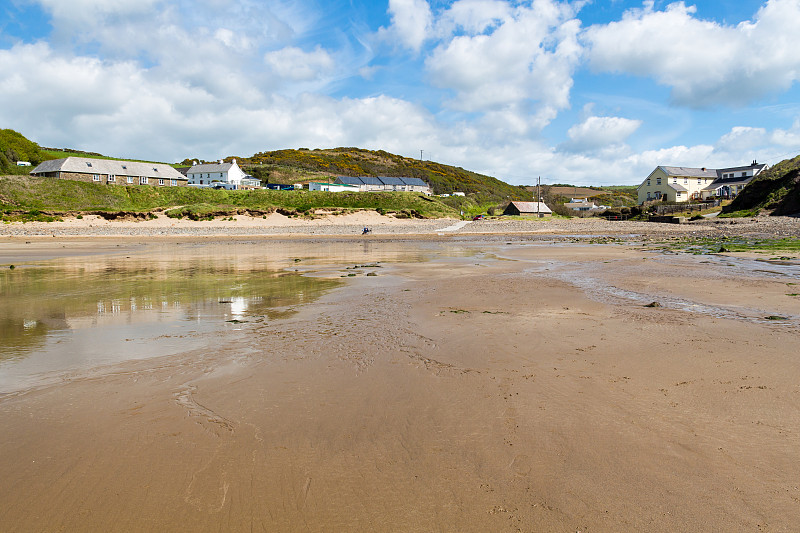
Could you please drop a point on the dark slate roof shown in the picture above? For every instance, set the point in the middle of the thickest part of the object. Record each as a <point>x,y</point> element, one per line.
<point>416,182</point>
<point>690,172</point>
<point>721,182</point>
<point>210,167</point>
<point>87,165</point>
<point>382,180</point>
<point>755,168</point>
<point>388,180</point>
<point>677,187</point>
<point>349,180</point>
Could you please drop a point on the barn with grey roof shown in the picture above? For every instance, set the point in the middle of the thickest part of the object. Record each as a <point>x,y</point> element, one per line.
<point>110,171</point>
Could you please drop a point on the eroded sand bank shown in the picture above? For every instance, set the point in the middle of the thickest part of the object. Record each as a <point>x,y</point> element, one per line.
<point>492,387</point>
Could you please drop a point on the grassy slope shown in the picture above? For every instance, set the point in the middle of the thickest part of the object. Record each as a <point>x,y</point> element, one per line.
<point>54,195</point>
<point>15,147</point>
<point>614,196</point>
<point>286,166</point>
<point>776,189</point>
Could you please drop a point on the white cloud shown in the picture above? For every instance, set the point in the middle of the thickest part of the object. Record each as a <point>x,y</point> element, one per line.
<point>789,138</point>
<point>705,63</point>
<point>294,64</point>
<point>473,16</point>
<point>741,139</point>
<point>521,59</point>
<point>600,132</point>
<point>411,23</point>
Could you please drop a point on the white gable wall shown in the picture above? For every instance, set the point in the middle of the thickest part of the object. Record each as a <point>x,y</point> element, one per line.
<point>232,175</point>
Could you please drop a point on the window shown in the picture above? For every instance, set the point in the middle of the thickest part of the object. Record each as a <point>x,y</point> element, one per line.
<point>648,184</point>
<point>125,167</point>
<point>685,180</point>
<point>699,181</point>
<point>112,178</point>
<point>142,180</point>
<point>161,181</point>
<point>88,164</point>
<point>173,182</point>
<point>648,196</point>
<point>96,177</point>
<point>658,181</point>
<point>130,179</point>
<point>674,180</point>
<point>744,174</point>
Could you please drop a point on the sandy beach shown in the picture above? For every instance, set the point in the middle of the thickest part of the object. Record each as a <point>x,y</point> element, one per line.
<point>352,224</point>
<point>496,376</point>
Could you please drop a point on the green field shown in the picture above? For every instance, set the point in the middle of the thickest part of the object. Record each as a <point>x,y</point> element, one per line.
<point>23,194</point>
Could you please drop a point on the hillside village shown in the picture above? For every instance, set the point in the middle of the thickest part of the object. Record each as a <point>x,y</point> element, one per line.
<point>665,185</point>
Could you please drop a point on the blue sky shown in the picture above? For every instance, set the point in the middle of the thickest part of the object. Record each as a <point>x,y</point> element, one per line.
<point>575,92</point>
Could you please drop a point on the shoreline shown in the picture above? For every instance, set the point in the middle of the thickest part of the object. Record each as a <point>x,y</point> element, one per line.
<point>277,226</point>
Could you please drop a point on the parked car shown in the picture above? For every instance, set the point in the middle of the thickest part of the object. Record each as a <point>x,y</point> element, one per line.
<point>477,217</point>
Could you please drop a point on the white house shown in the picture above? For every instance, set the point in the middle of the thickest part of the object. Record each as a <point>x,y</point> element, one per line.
<point>332,187</point>
<point>385,183</point>
<point>580,205</point>
<point>228,175</point>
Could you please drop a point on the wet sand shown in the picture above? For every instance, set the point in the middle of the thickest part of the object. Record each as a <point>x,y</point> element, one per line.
<point>491,387</point>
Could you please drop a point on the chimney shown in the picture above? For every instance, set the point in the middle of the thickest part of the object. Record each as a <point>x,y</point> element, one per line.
<point>234,160</point>
<point>703,169</point>
<point>220,161</point>
<point>196,162</point>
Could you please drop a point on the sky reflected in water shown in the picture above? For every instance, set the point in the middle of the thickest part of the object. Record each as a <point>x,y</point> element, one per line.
<point>77,314</point>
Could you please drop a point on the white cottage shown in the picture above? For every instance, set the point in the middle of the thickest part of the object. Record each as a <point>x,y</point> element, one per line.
<point>227,175</point>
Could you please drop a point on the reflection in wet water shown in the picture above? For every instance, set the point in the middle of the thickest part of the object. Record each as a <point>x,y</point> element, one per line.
<point>80,312</point>
<point>75,314</point>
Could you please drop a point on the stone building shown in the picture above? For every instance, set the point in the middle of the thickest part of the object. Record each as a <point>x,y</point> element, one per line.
<point>110,172</point>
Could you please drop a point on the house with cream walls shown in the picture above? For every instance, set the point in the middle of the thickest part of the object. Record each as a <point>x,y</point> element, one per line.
<point>684,184</point>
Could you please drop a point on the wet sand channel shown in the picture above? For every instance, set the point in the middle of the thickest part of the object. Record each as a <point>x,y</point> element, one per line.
<point>467,386</point>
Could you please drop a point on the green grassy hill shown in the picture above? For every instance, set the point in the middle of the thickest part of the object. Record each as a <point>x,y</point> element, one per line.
<point>25,194</point>
<point>484,193</point>
<point>777,190</point>
<point>289,166</point>
<point>613,196</point>
<point>15,147</point>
